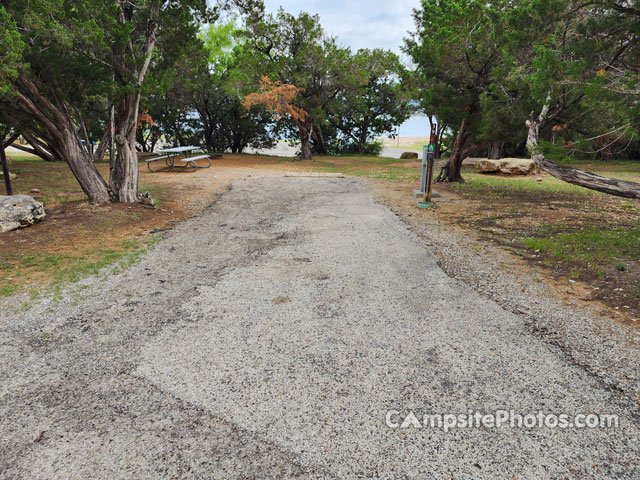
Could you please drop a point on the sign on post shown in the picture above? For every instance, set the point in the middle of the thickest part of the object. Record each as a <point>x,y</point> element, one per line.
<point>426,179</point>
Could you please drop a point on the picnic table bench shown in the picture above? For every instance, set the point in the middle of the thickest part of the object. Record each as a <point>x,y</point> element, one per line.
<point>188,163</point>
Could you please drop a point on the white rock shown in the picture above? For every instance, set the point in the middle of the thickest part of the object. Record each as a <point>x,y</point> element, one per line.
<point>17,211</point>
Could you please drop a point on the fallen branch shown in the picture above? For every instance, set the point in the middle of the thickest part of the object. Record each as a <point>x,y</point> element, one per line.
<point>575,176</point>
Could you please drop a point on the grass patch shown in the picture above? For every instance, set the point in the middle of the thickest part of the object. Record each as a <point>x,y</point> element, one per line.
<point>591,245</point>
<point>54,180</point>
<point>496,187</point>
<point>382,168</point>
<point>57,269</point>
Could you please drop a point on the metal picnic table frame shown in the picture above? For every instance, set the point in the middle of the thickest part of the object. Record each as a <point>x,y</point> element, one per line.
<point>170,156</point>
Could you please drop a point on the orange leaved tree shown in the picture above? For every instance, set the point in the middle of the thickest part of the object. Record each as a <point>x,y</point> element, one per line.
<point>280,99</point>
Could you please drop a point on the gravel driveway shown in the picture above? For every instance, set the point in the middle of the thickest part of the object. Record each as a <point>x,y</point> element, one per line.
<point>286,333</point>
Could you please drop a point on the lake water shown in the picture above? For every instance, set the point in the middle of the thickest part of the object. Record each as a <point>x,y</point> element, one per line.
<point>416,126</point>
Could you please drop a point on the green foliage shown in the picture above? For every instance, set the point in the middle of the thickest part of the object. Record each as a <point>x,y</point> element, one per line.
<point>223,44</point>
<point>11,50</point>
<point>345,147</point>
<point>224,123</point>
<point>454,49</point>
<point>496,64</point>
<point>372,106</point>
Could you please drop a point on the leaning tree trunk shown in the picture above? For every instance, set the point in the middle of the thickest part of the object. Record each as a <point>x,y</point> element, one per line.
<point>81,163</point>
<point>59,132</point>
<point>572,175</point>
<point>451,171</point>
<point>98,154</point>
<point>575,176</point>
<point>38,148</point>
<point>123,178</point>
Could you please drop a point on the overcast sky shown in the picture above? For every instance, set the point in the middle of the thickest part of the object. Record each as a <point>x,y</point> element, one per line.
<point>358,23</point>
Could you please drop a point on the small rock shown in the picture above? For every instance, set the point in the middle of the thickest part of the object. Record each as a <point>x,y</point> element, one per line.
<point>35,190</point>
<point>19,211</point>
<point>12,176</point>
<point>539,179</point>
<point>38,436</point>
<point>409,156</point>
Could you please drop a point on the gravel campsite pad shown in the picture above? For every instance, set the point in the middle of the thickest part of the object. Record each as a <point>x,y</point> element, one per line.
<point>275,336</point>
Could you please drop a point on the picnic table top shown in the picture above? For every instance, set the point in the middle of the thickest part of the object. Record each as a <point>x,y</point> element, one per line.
<point>177,149</point>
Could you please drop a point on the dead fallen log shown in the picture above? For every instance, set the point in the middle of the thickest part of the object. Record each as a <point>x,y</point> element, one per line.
<point>575,176</point>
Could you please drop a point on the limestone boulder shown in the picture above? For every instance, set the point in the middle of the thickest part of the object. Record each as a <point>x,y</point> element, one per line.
<point>487,166</point>
<point>507,166</point>
<point>19,211</point>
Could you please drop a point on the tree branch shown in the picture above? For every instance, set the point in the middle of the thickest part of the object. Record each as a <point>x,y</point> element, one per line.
<point>575,176</point>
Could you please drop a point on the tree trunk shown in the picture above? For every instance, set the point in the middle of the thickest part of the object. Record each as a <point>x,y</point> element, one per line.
<point>83,168</point>
<point>61,136</point>
<point>451,171</point>
<point>98,155</point>
<point>435,126</point>
<point>534,125</point>
<point>319,138</point>
<point>5,171</point>
<point>305,142</point>
<point>69,146</point>
<point>362,141</point>
<point>123,177</point>
<point>575,176</point>
<point>112,135</point>
<point>533,135</point>
<point>495,150</point>
<point>38,148</point>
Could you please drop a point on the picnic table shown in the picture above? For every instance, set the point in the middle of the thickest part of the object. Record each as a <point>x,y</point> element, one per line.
<point>171,156</point>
